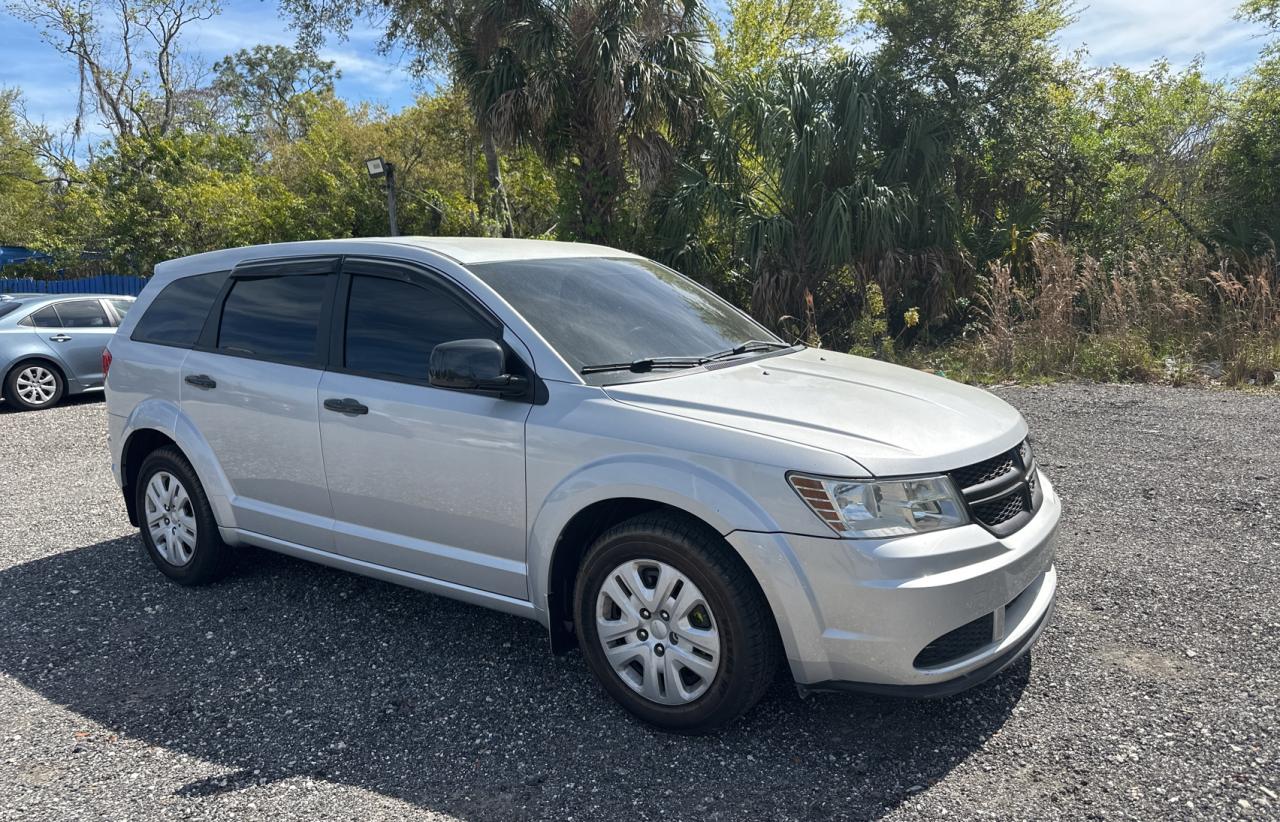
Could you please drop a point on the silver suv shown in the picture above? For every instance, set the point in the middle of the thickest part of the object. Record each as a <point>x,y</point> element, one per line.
<point>582,437</point>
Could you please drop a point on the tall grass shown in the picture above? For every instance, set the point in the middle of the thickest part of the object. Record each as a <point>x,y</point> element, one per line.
<point>1149,317</point>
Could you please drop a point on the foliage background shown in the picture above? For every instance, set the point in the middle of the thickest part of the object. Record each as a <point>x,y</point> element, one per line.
<point>930,182</point>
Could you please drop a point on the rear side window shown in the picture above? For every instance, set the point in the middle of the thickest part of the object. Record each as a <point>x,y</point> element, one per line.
<point>274,318</point>
<point>83,314</point>
<point>392,326</point>
<point>177,314</point>
<point>46,317</point>
<point>121,307</point>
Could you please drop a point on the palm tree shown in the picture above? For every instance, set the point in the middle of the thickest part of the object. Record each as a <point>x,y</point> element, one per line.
<point>610,86</point>
<point>816,168</point>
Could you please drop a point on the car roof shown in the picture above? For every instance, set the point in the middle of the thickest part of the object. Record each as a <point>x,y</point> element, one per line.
<point>465,250</point>
<point>32,297</point>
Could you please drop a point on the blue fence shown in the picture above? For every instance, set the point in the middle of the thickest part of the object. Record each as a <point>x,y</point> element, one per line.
<point>127,284</point>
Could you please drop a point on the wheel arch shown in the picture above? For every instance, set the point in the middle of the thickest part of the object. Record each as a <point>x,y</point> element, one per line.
<point>580,531</point>
<point>155,423</point>
<point>140,443</point>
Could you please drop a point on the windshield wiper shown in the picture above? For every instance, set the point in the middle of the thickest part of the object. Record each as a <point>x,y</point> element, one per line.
<point>745,347</point>
<point>650,363</point>
<point>642,365</point>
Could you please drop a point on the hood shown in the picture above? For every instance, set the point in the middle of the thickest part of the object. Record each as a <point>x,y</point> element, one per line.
<point>889,419</point>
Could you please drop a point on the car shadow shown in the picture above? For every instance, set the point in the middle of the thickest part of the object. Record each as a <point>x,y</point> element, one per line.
<point>86,398</point>
<point>289,669</point>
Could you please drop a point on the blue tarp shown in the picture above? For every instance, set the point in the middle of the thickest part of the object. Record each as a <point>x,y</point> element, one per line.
<point>127,284</point>
<point>11,254</point>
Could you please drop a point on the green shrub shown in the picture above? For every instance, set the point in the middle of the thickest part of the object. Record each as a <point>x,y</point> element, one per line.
<point>1118,358</point>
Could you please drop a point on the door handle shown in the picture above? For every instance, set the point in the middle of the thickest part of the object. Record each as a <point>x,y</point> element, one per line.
<point>61,338</point>
<point>200,381</point>
<point>347,405</point>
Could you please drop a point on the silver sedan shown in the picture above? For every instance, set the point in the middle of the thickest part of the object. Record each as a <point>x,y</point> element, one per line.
<point>51,345</point>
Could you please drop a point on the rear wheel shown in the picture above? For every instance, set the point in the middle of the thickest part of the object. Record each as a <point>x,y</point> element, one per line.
<point>34,385</point>
<point>673,625</point>
<point>177,524</point>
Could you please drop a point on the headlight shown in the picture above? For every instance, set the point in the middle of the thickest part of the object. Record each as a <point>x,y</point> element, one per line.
<point>882,508</point>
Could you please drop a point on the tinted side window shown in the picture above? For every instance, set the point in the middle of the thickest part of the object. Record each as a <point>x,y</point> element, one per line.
<point>46,317</point>
<point>274,318</point>
<point>392,326</point>
<point>177,314</point>
<point>83,314</point>
<point>121,307</point>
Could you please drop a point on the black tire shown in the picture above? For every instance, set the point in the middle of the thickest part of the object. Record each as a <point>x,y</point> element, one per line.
<point>11,385</point>
<point>211,558</point>
<point>750,650</point>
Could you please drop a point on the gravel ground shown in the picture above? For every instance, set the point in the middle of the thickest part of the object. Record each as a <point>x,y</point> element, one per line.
<point>291,691</point>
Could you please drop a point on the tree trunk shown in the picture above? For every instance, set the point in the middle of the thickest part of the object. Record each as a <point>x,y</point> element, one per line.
<point>600,178</point>
<point>497,191</point>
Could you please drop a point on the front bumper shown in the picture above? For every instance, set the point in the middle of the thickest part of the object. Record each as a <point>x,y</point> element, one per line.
<point>859,613</point>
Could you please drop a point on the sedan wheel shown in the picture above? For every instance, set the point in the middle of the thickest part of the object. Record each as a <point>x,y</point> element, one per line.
<point>171,519</point>
<point>33,385</point>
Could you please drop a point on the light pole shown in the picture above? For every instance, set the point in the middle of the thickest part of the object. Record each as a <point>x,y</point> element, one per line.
<point>382,168</point>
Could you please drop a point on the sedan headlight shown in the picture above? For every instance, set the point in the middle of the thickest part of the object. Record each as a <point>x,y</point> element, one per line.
<point>882,508</point>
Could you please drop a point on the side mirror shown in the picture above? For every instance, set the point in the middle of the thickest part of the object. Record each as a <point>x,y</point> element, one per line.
<point>473,365</point>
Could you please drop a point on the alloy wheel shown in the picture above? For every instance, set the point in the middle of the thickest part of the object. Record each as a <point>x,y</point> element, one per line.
<point>171,518</point>
<point>658,632</point>
<point>36,385</point>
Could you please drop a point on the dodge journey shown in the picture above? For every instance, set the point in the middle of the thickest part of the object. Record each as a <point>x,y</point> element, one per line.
<point>583,437</point>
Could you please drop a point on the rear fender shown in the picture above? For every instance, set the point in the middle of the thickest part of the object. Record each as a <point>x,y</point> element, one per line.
<point>166,417</point>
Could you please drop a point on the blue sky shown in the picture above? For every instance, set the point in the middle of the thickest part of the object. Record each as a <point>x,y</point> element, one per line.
<point>1127,32</point>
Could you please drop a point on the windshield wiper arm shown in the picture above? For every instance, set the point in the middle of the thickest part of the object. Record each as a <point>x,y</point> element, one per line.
<point>747,346</point>
<point>644,364</point>
<point>650,363</point>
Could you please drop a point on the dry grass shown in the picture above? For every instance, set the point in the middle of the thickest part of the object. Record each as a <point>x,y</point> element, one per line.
<point>1154,317</point>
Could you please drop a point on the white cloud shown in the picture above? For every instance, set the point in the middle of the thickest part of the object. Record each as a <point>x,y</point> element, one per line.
<point>1134,33</point>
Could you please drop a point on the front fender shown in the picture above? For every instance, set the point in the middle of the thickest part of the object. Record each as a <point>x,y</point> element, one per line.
<point>672,481</point>
<point>166,417</point>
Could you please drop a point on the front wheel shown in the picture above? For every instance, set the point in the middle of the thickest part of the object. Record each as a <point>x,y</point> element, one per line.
<point>673,625</point>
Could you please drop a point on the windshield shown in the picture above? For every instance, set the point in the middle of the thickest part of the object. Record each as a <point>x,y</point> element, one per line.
<point>597,310</point>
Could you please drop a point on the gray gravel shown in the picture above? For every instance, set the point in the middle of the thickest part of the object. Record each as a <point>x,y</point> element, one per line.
<point>295,692</point>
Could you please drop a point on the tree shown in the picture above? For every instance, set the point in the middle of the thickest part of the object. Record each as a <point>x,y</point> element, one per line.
<point>264,87</point>
<point>131,70</point>
<point>1266,12</point>
<point>761,34</point>
<point>836,177</point>
<point>23,184</point>
<point>988,69</point>
<point>437,31</point>
<point>602,86</point>
<point>1243,193</point>
<point>1140,148</point>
